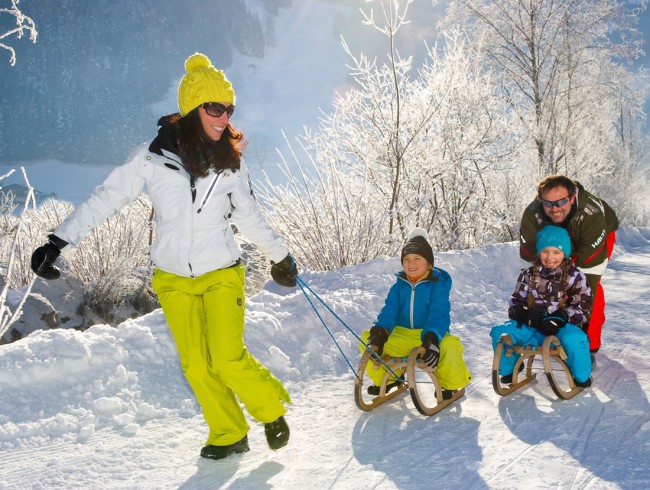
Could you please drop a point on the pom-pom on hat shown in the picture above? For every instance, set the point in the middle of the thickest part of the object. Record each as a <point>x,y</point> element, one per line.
<point>554,236</point>
<point>202,83</point>
<point>418,243</point>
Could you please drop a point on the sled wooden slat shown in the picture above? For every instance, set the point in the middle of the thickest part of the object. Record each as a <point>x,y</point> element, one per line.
<point>505,342</point>
<point>550,350</point>
<point>359,388</point>
<point>559,354</point>
<point>407,366</point>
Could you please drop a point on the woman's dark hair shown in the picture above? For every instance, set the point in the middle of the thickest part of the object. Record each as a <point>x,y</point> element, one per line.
<point>200,153</point>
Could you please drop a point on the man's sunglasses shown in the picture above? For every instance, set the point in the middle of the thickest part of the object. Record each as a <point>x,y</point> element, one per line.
<point>215,109</point>
<point>556,204</point>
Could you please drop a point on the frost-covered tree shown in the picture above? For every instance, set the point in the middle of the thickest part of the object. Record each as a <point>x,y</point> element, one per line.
<point>405,147</point>
<point>561,65</point>
<point>12,229</point>
<point>23,25</point>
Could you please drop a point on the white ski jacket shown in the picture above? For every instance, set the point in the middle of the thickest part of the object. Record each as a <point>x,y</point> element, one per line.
<point>193,234</point>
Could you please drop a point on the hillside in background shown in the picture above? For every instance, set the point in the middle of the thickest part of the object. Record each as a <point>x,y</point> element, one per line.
<point>101,74</point>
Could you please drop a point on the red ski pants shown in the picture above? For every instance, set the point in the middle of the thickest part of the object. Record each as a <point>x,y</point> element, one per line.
<point>598,310</point>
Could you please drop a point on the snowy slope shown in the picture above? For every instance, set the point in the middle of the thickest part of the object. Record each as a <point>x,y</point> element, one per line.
<point>109,408</point>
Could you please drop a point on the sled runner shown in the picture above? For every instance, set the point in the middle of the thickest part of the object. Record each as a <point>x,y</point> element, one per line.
<point>420,381</point>
<point>551,351</point>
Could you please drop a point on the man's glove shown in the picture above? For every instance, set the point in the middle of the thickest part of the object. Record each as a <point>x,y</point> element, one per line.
<point>432,353</point>
<point>553,322</point>
<point>378,337</point>
<point>285,272</point>
<point>43,258</point>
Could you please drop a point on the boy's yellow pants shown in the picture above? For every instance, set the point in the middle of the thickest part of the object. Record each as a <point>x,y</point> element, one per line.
<point>206,318</point>
<point>452,373</point>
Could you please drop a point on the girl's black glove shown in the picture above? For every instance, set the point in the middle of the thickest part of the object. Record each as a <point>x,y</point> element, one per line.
<point>530,316</point>
<point>553,322</point>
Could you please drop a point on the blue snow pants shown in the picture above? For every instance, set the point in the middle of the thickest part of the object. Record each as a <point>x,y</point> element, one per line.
<point>573,339</point>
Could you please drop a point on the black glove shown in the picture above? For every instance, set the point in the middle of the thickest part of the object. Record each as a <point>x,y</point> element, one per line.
<point>531,316</point>
<point>285,272</point>
<point>553,322</point>
<point>432,354</point>
<point>378,337</point>
<point>43,258</point>
<point>519,313</point>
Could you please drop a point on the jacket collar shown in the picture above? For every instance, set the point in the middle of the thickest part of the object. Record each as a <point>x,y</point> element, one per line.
<point>166,141</point>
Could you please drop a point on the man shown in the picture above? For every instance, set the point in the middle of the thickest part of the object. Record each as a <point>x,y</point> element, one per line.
<point>592,225</point>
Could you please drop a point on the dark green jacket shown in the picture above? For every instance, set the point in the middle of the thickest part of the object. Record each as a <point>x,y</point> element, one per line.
<point>589,223</point>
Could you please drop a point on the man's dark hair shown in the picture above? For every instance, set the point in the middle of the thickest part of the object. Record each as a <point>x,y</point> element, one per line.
<point>553,181</point>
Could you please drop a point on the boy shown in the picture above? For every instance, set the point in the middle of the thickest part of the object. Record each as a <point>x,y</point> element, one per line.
<point>416,312</point>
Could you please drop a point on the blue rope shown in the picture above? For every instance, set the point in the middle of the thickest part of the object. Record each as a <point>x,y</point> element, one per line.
<point>304,285</point>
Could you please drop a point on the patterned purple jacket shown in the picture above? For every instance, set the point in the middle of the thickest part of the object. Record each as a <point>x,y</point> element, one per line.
<point>550,294</point>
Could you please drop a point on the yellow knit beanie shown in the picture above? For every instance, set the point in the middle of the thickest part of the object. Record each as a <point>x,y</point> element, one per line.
<point>202,83</point>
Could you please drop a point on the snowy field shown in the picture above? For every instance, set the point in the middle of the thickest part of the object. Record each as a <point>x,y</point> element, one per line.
<point>109,408</point>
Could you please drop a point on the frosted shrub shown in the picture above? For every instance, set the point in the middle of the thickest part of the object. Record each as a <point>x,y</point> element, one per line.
<point>113,263</point>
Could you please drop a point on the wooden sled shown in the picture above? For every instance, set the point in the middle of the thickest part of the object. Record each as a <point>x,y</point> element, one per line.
<point>551,351</point>
<point>420,380</point>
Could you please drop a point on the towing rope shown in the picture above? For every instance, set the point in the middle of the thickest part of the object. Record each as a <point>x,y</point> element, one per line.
<point>304,287</point>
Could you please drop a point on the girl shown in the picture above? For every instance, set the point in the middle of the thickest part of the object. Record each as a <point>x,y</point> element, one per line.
<point>551,298</point>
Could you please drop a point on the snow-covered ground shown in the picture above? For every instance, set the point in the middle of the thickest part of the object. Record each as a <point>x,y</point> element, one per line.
<point>109,407</point>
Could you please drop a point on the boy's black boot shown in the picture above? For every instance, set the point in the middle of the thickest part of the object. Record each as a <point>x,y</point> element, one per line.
<point>220,452</point>
<point>277,433</point>
<point>374,389</point>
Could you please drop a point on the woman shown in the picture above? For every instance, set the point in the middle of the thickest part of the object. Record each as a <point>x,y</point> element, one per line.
<point>197,182</point>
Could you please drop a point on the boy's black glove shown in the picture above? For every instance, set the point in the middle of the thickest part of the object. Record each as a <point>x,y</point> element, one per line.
<point>378,337</point>
<point>432,354</point>
<point>553,322</point>
<point>285,272</point>
<point>43,258</point>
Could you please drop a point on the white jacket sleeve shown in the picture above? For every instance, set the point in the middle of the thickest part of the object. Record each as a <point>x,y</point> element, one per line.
<point>123,185</point>
<point>249,219</point>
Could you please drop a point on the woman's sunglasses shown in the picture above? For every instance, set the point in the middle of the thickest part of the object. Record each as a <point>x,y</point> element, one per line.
<point>215,109</point>
<point>556,204</point>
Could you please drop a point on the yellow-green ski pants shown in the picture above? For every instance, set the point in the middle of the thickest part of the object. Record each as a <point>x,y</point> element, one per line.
<point>206,317</point>
<point>452,373</point>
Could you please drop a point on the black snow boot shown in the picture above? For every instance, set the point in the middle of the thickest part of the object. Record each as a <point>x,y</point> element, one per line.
<point>583,384</point>
<point>374,389</point>
<point>447,394</point>
<point>507,378</point>
<point>277,433</point>
<point>220,452</point>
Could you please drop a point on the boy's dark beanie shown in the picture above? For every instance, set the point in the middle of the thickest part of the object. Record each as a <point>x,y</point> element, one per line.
<point>418,243</point>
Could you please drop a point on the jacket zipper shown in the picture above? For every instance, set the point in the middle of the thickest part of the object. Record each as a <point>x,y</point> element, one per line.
<point>208,193</point>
